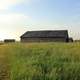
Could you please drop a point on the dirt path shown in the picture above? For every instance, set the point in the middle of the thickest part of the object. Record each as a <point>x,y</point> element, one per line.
<point>4,68</point>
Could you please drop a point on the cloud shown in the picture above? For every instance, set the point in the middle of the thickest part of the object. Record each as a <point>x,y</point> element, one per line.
<point>12,18</point>
<point>5,4</point>
<point>12,25</point>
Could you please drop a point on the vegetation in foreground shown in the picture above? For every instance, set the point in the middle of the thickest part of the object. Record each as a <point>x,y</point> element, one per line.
<point>43,61</point>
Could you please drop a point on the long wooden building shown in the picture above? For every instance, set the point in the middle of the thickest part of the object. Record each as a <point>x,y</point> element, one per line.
<point>45,36</point>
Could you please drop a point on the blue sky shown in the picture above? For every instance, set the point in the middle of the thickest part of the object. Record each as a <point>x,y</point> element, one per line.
<point>18,16</point>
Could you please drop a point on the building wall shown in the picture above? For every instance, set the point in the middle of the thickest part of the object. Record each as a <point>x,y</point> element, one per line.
<point>9,40</point>
<point>43,40</point>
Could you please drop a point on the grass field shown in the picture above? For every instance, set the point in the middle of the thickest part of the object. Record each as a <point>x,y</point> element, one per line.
<point>41,61</point>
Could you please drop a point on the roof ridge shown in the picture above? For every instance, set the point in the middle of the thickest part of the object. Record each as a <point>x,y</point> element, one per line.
<point>46,30</point>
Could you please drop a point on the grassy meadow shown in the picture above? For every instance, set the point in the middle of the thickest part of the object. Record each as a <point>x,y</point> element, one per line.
<point>41,61</point>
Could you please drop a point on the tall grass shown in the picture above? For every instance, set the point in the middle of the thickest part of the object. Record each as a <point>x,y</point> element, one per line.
<point>44,61</point>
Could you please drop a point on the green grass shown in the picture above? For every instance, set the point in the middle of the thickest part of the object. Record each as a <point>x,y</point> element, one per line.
<point>43,61</point>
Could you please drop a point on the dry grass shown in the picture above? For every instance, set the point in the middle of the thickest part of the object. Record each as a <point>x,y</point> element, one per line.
<point>4,63</point>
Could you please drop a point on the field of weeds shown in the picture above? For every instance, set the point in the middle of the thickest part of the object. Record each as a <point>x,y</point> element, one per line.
<point>40,61</point>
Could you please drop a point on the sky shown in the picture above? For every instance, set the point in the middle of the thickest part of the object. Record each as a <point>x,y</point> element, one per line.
<point>19,16</point>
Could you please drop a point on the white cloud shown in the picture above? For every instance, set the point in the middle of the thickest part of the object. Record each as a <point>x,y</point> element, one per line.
<point>12,18</point>
<point>5,4</point>
<point>12,25</point>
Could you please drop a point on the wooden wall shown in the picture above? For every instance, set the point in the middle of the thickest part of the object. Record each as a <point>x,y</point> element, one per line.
<point>43,40</point>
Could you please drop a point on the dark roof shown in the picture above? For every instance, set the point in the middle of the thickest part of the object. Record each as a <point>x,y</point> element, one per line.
<point>45,34</point>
